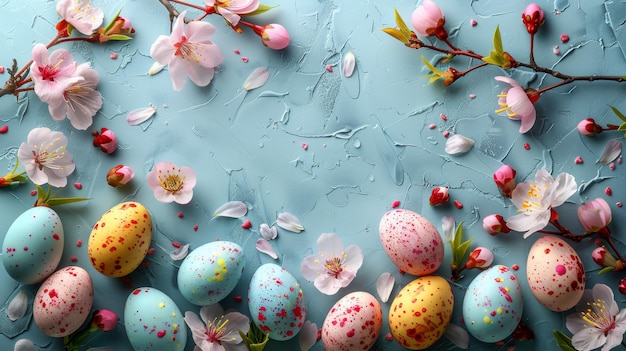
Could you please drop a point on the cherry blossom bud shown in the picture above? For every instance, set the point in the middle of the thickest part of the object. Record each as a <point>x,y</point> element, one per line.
<point>589,127</point>
<point>595,215</point>
<point>481,258</point>
<point>105,140</point>
<point>604,258</point>
<point>495,224</point>
<point>505,179</point>
<point>428,19</point>
<point>104,320</point>
<point>275,36</point>
<point>439,196</point>
<point>120,175</point>
<point>533,18</point>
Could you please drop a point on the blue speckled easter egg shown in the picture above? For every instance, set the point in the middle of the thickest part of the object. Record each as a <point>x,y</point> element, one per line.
<point>33,245</point>
<point>276,302</point>
<point>209,273</point>
<point>493,306</point>
<point>153,321</point>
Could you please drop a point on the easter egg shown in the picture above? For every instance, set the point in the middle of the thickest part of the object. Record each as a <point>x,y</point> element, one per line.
<point>493,304</point>
<point>63,301</point>
<point>120,240</point>
<point>33,245</point>
<point>353,323</point>
<point>153,322</point>
<point>209,273</point>
<point>276,302</point>
<point>555,273</point>
<point>420,313</point>
<point>411,242</point>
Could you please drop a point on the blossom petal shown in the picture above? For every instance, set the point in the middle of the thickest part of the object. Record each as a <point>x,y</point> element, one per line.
<point>447,225</point>
<point>565,187</point>
<point>265,247</point>
<point>140,115</point>
<point>18,306</point>
<point>457,335</point>
<point>384,286</point>
<point>347,65</point>
<point>156,68</point>
<point>232,209</point>
<point>354,258</point>
<point>24,345</point>
<point>289,222</point>
<point>604,293</point>
<point>256,79</point>
<point>180,253</point>
<point>588,339</point>
<point>612,149</point>
<point>267,232</point>
<point>311,267</point>
<point>327,284</point>
<point>458,144</point>
<point>307,336</point>
<point>211,312</point>
<point>329,244</point>
<point>507,80</point>
<point>236,321</point>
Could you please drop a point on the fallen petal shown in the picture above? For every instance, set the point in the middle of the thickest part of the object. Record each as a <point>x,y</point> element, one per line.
<point>18,306</point>
<point>384,286</point>
<point>308,336</point>
<point>140,115</point>
<point>155,68</point>
<point>289,222</point>
<point>447,225</point>
<point>24,345</point>
<point>256,79</point>
<point>458,144</point>
<point>347,66</point>
<point>265,247</point>
<point>233,209</point>
<point>457,335</point>
<point>611,151</point>
<point>180,253</point>
<point>267,232</point>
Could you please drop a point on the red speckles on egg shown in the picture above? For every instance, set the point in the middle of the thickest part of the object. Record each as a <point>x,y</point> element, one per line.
<point>353,323</point>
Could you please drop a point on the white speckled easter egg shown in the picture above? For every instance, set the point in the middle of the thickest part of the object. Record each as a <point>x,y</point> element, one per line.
<point>353,323</point>
<point>153,322</point>
<point>63,301</point>
<point>276,302</point>
<point>420,313</point>
<point>209,273</point>
<point>411,242</point>
<point>555,273</point>
<point>120,240</point>
<point>493,304</point>
<point>33,245</point>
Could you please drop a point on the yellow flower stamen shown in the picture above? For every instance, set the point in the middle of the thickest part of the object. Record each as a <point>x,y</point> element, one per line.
<point>171,182</point>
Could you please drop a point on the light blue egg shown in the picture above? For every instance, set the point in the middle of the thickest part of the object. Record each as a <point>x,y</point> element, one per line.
<point>211,272</point>
<point>33,245</point>
<point>493,304</point>
<point>276,302</point>
<point>153,322</point>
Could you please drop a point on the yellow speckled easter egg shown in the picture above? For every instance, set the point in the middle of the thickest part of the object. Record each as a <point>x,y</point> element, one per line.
<point>120,240</point>
<point>421,311</point>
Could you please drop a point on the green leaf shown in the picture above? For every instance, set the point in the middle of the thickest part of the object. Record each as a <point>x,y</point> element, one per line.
<point>65,200</point>
<point>458,234</point>
<point>261,9</point>
<point>396,33</point>
<point>606,270</point>
<point>431,67</point>
<point>497,41</point>
<point>563,341</point>
<point>119,37</point>
<point>462,250</point>
<point>496,56</point>
<point>618,113</point>
<point>401,25</point>
<point>112,22</point>
<point>622,126</point>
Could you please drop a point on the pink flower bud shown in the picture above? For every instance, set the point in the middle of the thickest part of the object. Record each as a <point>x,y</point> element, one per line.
<point>505,179</point>
<point>589,127</point>
<point>428,19</point>
<point>603,257</point>
<point>439,196</point>
<point>495,224</point>
<point>622,286</point>
<point>105,140</point>
<point>105,320</point>
<point>119,175</point>
<point>481,258</point>
<point>533,18</point>
<point>275,36</point>
<point>595,215</point>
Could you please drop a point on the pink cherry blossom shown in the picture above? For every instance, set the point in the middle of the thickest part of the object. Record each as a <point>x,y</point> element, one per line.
<point>275,36</point>
<point>589,127</point>
<point>216,331</point>
<point>232,9</point>
<point>45,157</point>
<point>50,73</point>
<point>533,18</point>
<point>80,100</point>
<point>81,15</point>
<point>480,257</point>
<point>439,195</point>
<point>105,320</point>
<point>515,103</point>
<point>332,267</point>
<point>171,183</point>
<point>428,19</point>
<point>188,52</point>
<point>119,176</point>
<point>495,224</point>
<point>105,140</point>
<point>595,215</point>
<point>505,179</point>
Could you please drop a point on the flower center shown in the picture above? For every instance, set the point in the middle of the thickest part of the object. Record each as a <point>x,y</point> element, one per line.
<point>504,106</point>
<point>333,266</point>
<point>46,157</point>
<point>172,182</point>
<point>533,200</point>
<point>597,316</point>
<point>48,72</point>
<point>187,50</point>
<point>215,330</point>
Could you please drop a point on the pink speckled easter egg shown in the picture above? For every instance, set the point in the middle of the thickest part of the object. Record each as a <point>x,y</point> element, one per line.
<point>63,302</point>
<point>353,323</point>
<point>555,273</point>
<point>411,242</point>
